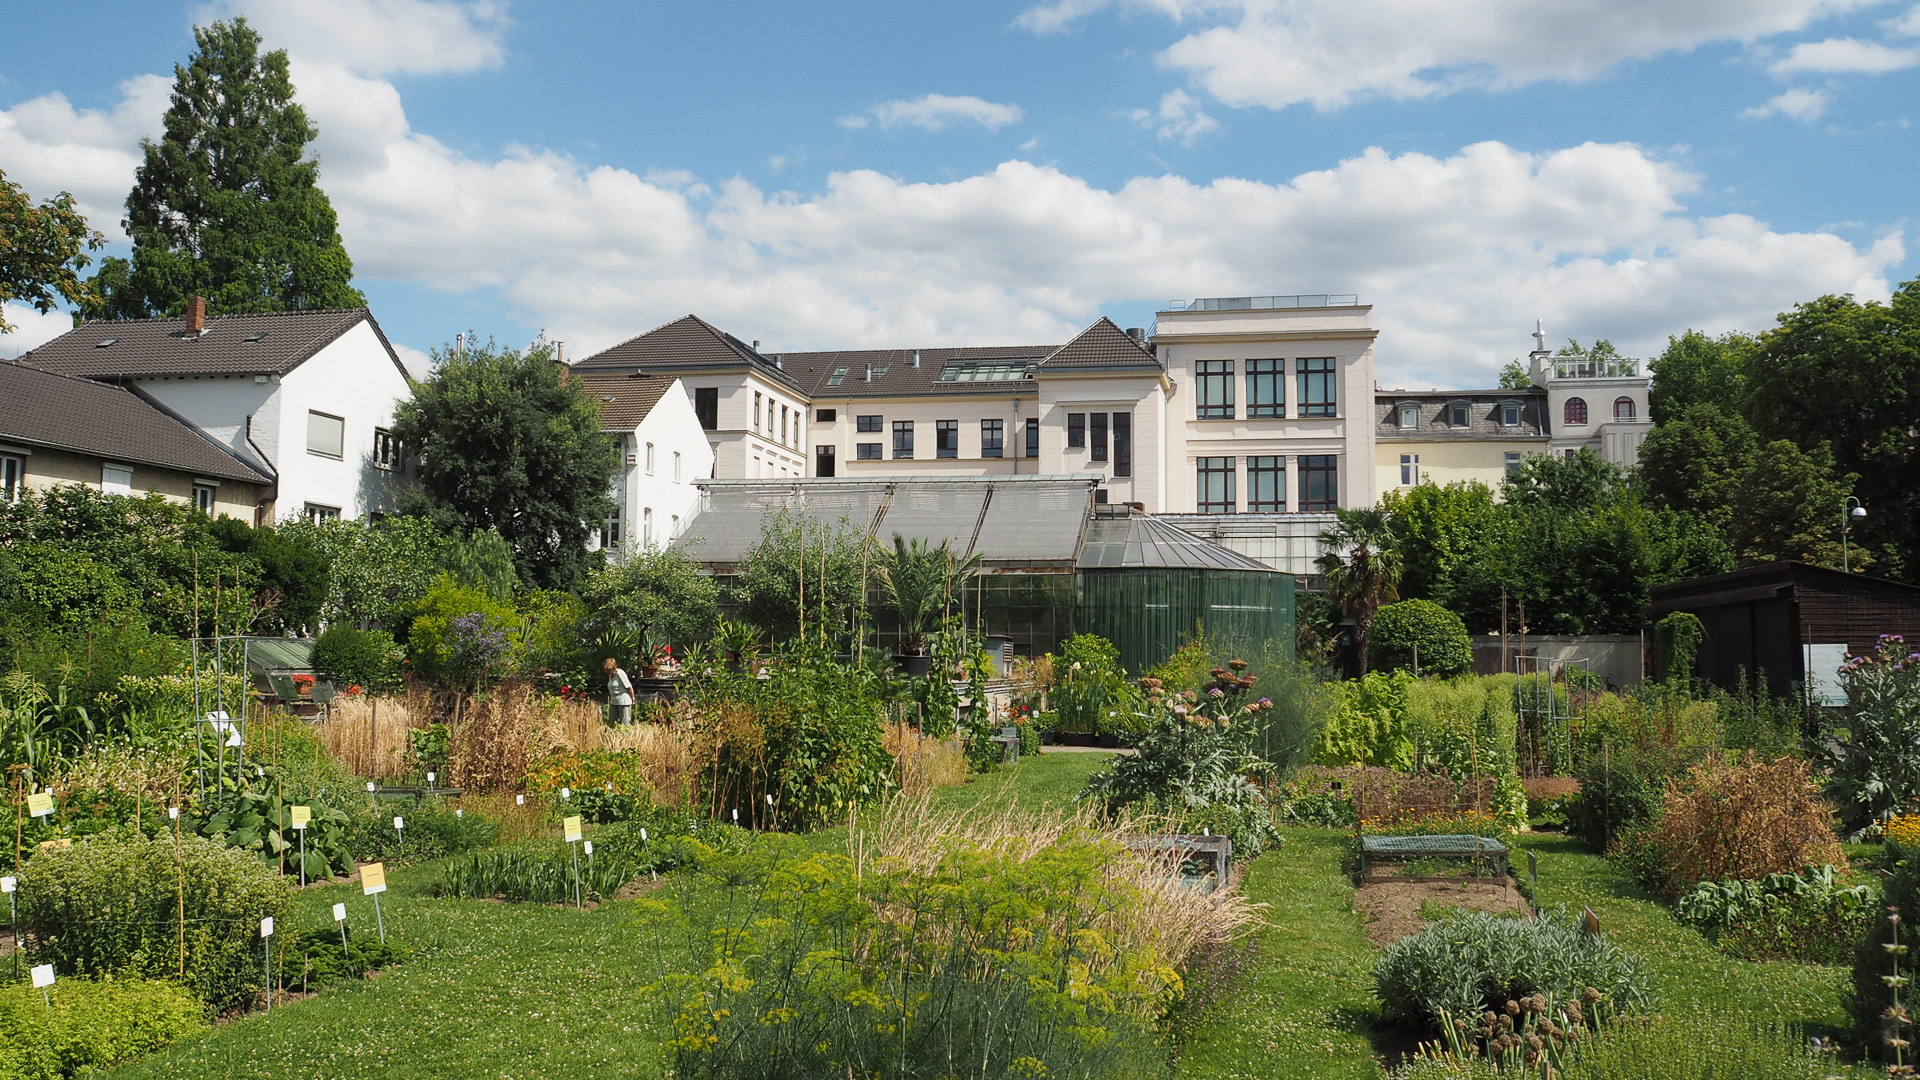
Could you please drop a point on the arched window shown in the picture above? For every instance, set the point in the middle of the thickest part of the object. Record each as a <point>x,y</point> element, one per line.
<point>1576,412</point>
<point>1623,408</point>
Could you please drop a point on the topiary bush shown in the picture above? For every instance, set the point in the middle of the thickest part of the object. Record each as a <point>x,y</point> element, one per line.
<point>109,905</point>
<point>1439,635</point>
<point>1472,962</point>
<point>91,1025</point>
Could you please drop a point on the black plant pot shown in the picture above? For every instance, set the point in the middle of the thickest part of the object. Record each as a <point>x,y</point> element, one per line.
<point>1075,738</point>
<point>1110,742</point>
<point>914,665</point>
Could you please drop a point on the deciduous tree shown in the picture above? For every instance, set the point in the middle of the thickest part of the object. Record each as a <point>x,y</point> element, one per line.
<point>42,250</point>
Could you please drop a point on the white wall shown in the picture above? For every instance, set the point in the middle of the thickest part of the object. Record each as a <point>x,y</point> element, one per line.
<point>1135,394</point>
<point>353,378</point>
<point>219,405</point>
<point>671,427</point>
<point>925,411</point>
<point>744,449</point>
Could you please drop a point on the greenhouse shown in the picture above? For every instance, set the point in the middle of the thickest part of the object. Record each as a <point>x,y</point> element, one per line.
<point>1053,561</point>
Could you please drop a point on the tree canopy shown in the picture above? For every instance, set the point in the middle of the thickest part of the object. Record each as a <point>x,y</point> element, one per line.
<point>227,203</point>
<point>507,441</point>
<point>42,250</point>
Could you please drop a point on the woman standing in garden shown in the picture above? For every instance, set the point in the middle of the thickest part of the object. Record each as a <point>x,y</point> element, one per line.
<point>619,693</point>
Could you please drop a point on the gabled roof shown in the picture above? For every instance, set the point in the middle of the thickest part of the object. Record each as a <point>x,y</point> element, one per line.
<point>894,373</point>
<point>688,343</point>
<point>625,400</point>
<point>1122,540</point>
<point>1101,347</point>
<point>269,343</point>
<point>40,408</point>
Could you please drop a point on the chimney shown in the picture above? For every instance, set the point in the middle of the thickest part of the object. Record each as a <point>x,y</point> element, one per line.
<point>756,344</point>
<point>1138,334</point>
<point>196,315</point>
<point>869,376</point>
<point>916,358</point>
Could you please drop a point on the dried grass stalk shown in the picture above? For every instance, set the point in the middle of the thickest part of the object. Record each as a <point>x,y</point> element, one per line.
<point>349,733</point>
<point>666,752</point>
<point>922,764</point>
<point>1744,819</point>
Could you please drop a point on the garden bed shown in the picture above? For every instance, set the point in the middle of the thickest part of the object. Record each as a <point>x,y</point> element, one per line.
<point>1395,908</point>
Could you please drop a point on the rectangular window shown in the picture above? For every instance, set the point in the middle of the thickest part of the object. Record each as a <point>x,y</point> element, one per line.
<point>1512,462</point>
<point>1319,483</point>
<point>387,453</point>
<point>1458,415</point>
<point>706,406</point>
<point>203,495</point>
<point>1033,437</point>
<point>676,466</point>
<point>783,423</point>
<point>1076,430</point>
<point>838,374</point>
<point>870,423</point>
<point>1122,444</point>
<point>1509,415</point>
<point>1099,437</point>
<point>867,451</point>
<point>649,459</point>
<point>1215,490</point>
<point>1409,416</point>
<point>646,526</point>
<point>115,480</point>
<point>13,478</point>
<point>1266,485</point>
<point>946,438</point>
<point>903,438</point>
<point>756,410</point>
<point>317,513</point>
<point>827,416</point>
<point>610,530</point>
<point>1409,470</point>
<point>1215,397</point>
<point>326,435</point>
<point>1317,394</point>
<point>769,417</point>
<point>823,460</point>
<point>993,437</point>
<point>1266,391</point>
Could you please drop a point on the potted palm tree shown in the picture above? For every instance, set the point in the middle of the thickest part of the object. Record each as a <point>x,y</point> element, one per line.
<point>918,583</point>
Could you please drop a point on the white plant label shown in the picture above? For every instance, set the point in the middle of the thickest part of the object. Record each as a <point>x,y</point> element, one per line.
<point>266,927</point>
<point>43,976</point>
<point>589,846</point>
<point>173,812</point>
<point>7,884</point>
<point>769,800</point>
<point>609,785</point>
<point>643,835</point>
<point>339,913</point>
<point>736,815</point>
<point>398,823</point>
<point>430,778</point>
<point>566,794</point>
<point>519,800</point>
<point>459,813</point>
<point>369,787</point>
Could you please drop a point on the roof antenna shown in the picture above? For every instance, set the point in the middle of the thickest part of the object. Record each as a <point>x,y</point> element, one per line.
<point>459,345</point>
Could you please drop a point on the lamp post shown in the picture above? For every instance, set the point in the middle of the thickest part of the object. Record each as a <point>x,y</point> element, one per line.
<point>1850,509</point>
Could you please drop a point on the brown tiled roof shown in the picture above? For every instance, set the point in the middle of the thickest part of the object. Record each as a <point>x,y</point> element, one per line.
<point>688,343</point>
<point>900,377</point>
<point>1101,347</point>
<point>40,408</point>
<point>1483,414</point>
<point>271,343</point>
<point>625,400</point>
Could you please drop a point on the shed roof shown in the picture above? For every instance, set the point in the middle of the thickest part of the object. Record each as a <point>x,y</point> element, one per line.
<point>41,408</point>
<point>268,343</point>
<point>1785,579</point>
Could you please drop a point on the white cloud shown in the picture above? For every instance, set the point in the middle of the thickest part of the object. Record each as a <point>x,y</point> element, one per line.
<point>1178,118</point>
<point>31,328</point>
<point>1458,253</point>
<point>1907,25</point>
<point>1846,56</point>
<point>1799,104</point>
<point>49,147</point>
<point>935,111</point>
<point>1331,52</point>
<point>377,37</point>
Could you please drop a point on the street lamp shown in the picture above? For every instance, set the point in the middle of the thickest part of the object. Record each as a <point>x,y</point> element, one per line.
<point>1849,509</point>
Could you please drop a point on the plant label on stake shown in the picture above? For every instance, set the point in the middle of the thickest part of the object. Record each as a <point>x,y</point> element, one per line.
<point>571,827</point>
<point>370,803</point>
<point>399,834</point>
<point>43,978</point>
<point>373,882</point>
<point>340,916</point>
<point>266,960</point>
<point>40,803</point>
<point>519,800</point>
<point>302,815</point>
<point>430,779</point>
<point>566,794</point>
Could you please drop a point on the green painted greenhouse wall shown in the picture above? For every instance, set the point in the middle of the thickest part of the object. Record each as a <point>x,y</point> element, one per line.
<point>1150,613</point>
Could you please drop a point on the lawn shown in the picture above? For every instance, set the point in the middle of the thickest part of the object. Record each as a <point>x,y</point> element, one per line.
<point>527,991</point>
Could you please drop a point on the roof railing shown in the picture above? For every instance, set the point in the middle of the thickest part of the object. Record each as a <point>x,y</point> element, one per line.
<point>1586,367</point>
<point>1265,303</point>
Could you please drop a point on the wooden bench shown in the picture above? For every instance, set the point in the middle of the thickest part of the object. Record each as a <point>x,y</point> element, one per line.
<point>1217,849</point>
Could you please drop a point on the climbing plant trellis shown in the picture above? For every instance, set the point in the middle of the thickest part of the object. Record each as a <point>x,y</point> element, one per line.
<point>1548,716</point>
<point>220,723</point>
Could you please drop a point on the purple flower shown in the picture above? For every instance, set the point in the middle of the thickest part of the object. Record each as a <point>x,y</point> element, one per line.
<point>1216,692</point>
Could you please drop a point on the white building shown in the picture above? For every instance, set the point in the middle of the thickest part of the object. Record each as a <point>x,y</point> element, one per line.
<point>1599,403</point>
<point>663,451</point>
<point>306,396</point>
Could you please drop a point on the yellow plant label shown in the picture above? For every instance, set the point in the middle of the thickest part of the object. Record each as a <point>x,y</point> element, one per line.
<point>61,844</point>
<point>373,878</point>
<point>572,825</point>
<point>302,815</point>
<point>40,804</point>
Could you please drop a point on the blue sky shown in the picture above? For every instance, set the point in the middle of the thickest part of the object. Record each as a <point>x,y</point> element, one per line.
<point>869,174</point>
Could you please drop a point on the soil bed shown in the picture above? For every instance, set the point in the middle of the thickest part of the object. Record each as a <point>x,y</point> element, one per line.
<point>1392,908</point>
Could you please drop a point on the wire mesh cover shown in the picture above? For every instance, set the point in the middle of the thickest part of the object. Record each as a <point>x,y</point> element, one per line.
<point>1430,845</point>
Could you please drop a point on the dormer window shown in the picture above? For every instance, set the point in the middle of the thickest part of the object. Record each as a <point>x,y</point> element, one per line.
<point>1509,414</point>
<point>1409,416</point>
<point>1458,414</point>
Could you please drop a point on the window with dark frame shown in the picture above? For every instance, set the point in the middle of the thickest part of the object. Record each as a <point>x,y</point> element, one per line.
<point>867,451</point>
<point>946,438</point>
<point>203,496</point>
<point>1099,447</point>
<point>1623,408</point>
<point>993,438</point>
<point>873,424</point>
<point>903,438</point>
<point>1122,444</point>
<point>1319,483</point>
<point>1266,391</point>
<point>1033,436</point>
<point>1458,415</point>
<point>1512,462</point>
<point>1318,394</point>
<point>756,411</point>
<point>1267,485</point>
<point>1409,470</point>
<point>1214,397</point>
<point>823,461</point>
<point>827,416</point>
<point>1076,430</point>
<point>387,453</point>
<point>706,406</point>
<point>1214,490</point>
<point>1509,414</point>
<point>1575,411</point>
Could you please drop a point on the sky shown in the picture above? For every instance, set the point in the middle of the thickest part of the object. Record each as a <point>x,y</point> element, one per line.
<point>895,175</point>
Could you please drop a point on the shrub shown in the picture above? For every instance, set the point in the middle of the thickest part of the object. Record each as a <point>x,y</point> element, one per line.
<point>545,876</point>
<point>109,906</point>
<point>1615,799</point>
<point>1807,916</point>
<point>1472,962</point>
<point>460,637</point>
<point>1422,634</point>
<point>1368,724</point>
<point>432,831</point>
<point>1744,819</point>
<point>92,1025</point>
<point>1676,1045</point>
<point>348,657</point>
<point>1873,748</point>
<point>1092,684</point>
<point>976,966</point>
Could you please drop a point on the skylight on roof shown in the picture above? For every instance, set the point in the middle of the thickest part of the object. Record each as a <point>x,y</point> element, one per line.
<point>104,343</point>
<point>984,370</point>
<point>256,335</point>
<point>838,374</point>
